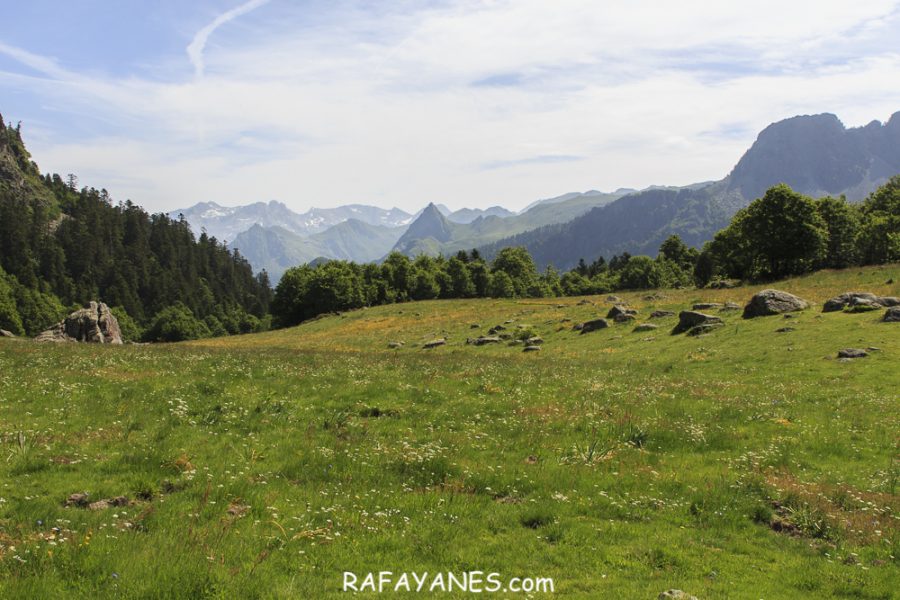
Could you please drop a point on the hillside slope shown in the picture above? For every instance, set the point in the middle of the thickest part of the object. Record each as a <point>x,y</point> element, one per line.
<point>748,463</point>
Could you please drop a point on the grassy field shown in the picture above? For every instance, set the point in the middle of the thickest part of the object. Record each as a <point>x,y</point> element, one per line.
<point>747,463</point>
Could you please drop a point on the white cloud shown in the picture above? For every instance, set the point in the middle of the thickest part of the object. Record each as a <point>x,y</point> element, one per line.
<point>198,44</point>
<point>357,106</point>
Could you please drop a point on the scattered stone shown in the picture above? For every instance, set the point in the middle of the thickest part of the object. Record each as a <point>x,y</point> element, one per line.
<point>565,320</point>
<point>790,316</point>
<point>531,349</point>
<point>434,343</point>
<point>614,299</point>
<point>5,333</point>
<point>395,345</point>
<point>729,306</point>
<point>675,594</point>
<point>704,328</point>
<point>892,315</point>
<point>723,284</point>
<point>689,319</point>
<point>531,460</point>
<point>594,325</point>
<point>659,314</point>
<point>485,339</point>
<point>505,336</point>
<point>516,342</point>
<point>560,306</point>
<point>496,328</point>
<point>654,296</point>
<point>618,310</point>
<point>584,301</point>
<point>773,302</point>
<point>785,330</point>
<point>852,353</point>
<point>80,499</point>
<point>859,299</point>
<point>94,323</point>
<point>474,326</point>
<point>98,505</point>
<point>645,327</point>
<point>873,349</point>
<point>118,501</point>
<point>624,318</point>
<point>706,305</point>
<point>578,327</point>
<point>508,321</point>
<point>535,340</point>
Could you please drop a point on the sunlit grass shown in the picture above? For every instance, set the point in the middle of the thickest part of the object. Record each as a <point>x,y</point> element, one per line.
<point>742,464</point>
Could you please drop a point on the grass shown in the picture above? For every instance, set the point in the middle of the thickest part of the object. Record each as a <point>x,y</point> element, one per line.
<point>741,464</point>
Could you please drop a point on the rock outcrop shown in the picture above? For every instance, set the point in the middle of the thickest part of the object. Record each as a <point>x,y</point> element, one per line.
<point>773,302</point>
<point>892,315</point>
<point>859,299</point>
<point>92,324</point>
<point>688,320</point>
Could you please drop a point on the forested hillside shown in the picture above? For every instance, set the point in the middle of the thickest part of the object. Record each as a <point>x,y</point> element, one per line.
<point>61,247</point>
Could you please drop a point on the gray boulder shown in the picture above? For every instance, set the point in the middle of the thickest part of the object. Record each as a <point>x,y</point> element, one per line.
<point>5,333</point>
<point>675,595</point>
<point>485,339</point>
<point>617,311</point>
<point>434,343</point>
<point>689,319</point>
<point>659,314</point>
<point>852,353</point>
<point>535,340</point>
<point>531,349</point>
<point>773,302</point>
<point>594,325</point>
<point>892,315</point>
<point>706,305</point>
<point>92,324</point>
<point>862,300</point>
<point>645,327</point>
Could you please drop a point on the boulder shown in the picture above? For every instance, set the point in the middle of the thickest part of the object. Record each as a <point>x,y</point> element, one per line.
<point>675,595</point>
<point>531,349</point>
<point>706,305</point>
<point>859,299</point>
<point>892,315</point>
<point>619,310</point>
<point>704,328</point>
<point>594,325</point>
<point>646,327</point>
<point>485,339</point>
<point>395,345</point>
<point>689,319</point>
<point>535,340</point>
<point>614,299</point>
<point>773,302</point>
<point>93,324</point>
<point>434,343</point>
<point>785,330</point>
<point>723,284</point>
<point>577,326</point>
<point>5,333</point>
<point>624,318</point>
<point>659,314</point>
<point>495,329</point>
<point>852,353</point>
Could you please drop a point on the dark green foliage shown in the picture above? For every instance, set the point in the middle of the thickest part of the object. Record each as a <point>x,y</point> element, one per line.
<point>131,331</point>
<point>60,246</point>
<point>879,239</point>
<point>842,223</point>
<point>176,323</point>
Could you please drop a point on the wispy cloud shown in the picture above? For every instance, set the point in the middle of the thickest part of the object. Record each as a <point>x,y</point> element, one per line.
<point>462,101</point>
<point>198,44</point>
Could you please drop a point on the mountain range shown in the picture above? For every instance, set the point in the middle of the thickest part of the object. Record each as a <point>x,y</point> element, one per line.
<point>814,154</point>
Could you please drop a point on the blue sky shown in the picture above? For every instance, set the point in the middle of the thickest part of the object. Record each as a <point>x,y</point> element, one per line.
<point>465,103</point>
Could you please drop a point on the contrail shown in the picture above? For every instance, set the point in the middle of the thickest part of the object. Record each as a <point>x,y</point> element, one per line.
<point>198,44</point>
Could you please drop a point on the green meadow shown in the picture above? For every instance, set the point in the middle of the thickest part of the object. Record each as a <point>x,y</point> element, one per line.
<point>747,463</point>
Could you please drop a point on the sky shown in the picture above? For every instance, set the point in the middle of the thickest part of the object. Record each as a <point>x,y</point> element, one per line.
<point>465,103</point>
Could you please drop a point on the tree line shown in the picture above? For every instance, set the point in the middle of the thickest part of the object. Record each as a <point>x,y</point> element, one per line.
<point>61,247</point>
<point>784,233</point>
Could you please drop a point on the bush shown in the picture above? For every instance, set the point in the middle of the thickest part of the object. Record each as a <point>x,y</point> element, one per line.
<point>131,331</point>
<point>176,323</point>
